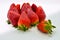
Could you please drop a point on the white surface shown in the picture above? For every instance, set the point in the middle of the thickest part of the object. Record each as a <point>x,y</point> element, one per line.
<point>52,10</point>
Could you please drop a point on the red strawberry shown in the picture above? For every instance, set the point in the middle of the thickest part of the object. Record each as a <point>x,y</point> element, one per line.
<point>13,17</point>
<point>24,21</point>
<point>45,26</point>
<point>13,8</point>
<point>25,6</point>
<point>33,17</point>
<point>34,7</point>
<point>18,7</point>
<point>41,14</point>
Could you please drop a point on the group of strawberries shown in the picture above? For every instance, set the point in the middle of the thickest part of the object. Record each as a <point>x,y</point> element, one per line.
<point>28,16</point>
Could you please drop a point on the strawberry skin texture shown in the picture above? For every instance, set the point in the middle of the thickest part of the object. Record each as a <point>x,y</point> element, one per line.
<point>34,7</point>
<point>14,8</point>
<point>12,5</point>
<point>24,20</point>
<point>41,14</point>
<point>32,16</point>
<point>18,7</point>
<point>13,17</point>
<point>41,27</point>
<point>25,6</point>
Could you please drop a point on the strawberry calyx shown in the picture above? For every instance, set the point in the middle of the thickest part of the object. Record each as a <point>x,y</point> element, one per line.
<point>49,26</point>
<point>22,27</point>
<point>34,24</point>
<point>8,22</point>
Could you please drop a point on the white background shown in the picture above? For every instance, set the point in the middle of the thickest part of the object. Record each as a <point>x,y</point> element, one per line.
<point>52,10</point>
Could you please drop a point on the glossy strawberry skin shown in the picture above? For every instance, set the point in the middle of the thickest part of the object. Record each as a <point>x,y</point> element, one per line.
<point>32,16</point>
<point>34,7</point>
<point>41,27</point>
<point>13,17</point>
<point>24,20</point>
<point>41,14</point>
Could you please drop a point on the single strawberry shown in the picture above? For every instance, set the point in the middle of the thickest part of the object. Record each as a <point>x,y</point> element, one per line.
<point>25,6</point>
<point>33,17</point>
<point>24,21</point>
<point>34,7</point>
<point>13,17</point>
<point>18,7</point>
<point>41,14</point>
<point>45,26</point>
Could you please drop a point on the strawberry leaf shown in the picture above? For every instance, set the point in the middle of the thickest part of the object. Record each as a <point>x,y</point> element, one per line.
<point>22,27</point>
<point>49,21</point>
<point>49,26</point>
<point>53,26</point>
<point>34,24</point>
<point>8,22</point>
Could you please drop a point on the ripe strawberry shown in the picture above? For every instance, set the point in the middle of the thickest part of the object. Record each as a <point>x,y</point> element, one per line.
<point>25,6</point>
<point>13,17</point>
<point>12,5</point>
<point>33,17</point>
<point>24,21</point>
<point>34,7</point>
<point>41,14</point>
<point>13,8</point>
<point>18,7</point>
<point>45,26</point>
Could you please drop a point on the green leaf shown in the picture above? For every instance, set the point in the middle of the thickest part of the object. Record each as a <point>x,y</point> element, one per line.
<point>46,27</point>
<point>49,26</point>
<point>25,28</point>
<point>49,21</point>
<point>50,31</point>
<point>34,24</point>
<point>22,27</point>
<point>46,22</point>
<point>8,22</point>
<point>53,26</point>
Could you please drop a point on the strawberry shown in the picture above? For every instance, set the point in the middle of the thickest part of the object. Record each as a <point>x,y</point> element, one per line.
<point>45,26</point>
<point>33,17</point>
<point>34,7</point>
<point>24,21</point>
<point>14,8</point>
<point>18,7</point>
<point>13,17</point>
<point>41,14</point>
<point>25,6</point>
<point>12,5</point>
